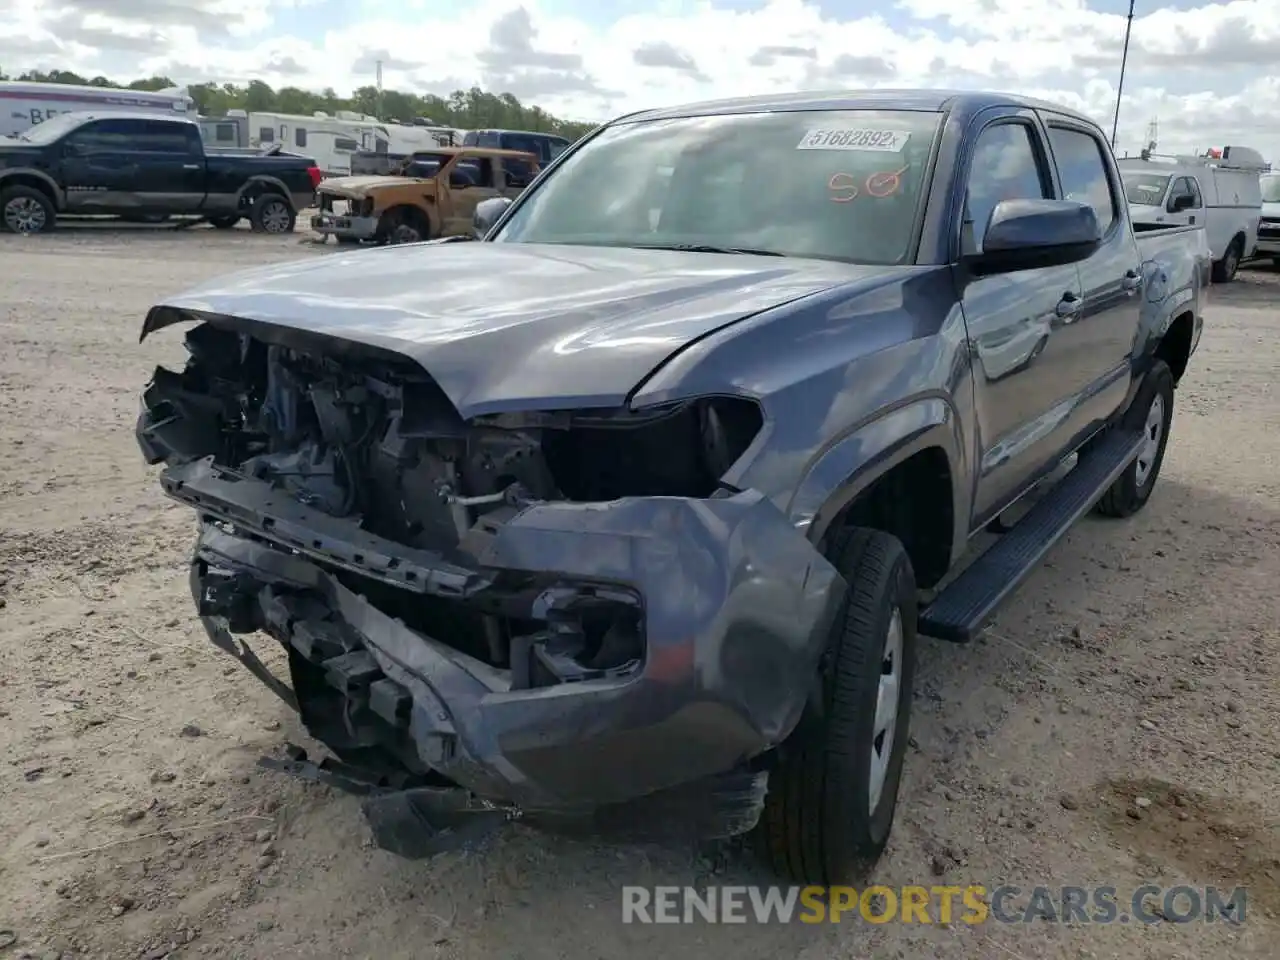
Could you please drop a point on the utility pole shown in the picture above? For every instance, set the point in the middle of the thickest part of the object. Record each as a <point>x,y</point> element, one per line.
<point>379,68</point>
<point>1124,59</point>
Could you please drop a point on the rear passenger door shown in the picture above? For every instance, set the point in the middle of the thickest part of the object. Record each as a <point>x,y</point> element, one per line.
<point>1023,374</point>
<point>1098,341</point>
<point>517,173</point>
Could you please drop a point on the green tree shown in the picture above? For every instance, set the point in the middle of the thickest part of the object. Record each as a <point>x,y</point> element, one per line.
<point>462,108</point>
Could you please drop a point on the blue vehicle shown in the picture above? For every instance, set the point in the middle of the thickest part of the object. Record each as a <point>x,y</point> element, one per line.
<point>545,146</point>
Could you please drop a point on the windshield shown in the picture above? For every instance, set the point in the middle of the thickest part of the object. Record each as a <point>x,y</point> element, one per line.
<point>53,128</point>
<point>1271,188</point>
<point>837,185</point>
<point>1146,189</point>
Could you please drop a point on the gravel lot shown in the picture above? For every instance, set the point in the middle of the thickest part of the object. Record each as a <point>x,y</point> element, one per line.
<point>1141,661</point>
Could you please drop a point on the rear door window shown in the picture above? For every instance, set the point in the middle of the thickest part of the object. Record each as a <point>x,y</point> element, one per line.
<point>1083,172</point>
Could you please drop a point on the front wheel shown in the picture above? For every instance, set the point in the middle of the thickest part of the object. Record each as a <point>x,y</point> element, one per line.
<point>831,800</point>
<point>26,210</point>
<point>1152,413</point>
<point>271,213</point>
<point>1224,271</point>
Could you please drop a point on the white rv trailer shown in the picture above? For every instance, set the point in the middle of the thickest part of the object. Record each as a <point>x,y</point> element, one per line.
<point>23,104</point>
<point>1221,191</point>
<point>329,139</point>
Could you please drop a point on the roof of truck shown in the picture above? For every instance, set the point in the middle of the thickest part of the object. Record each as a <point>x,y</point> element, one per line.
<point>968,101</point>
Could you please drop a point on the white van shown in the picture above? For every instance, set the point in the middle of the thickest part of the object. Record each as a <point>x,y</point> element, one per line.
<point>1269,225</point>
<point>1222,193</point>
<point>24,104</point>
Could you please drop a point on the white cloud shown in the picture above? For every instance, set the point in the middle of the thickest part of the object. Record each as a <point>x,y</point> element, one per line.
<point>1202,71</point>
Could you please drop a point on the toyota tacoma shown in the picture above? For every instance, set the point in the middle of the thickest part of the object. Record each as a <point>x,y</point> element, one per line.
<point>631,512</point>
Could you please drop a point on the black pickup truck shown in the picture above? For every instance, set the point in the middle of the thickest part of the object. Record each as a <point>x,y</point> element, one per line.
<point>638,504</point>
<point>141,166</point>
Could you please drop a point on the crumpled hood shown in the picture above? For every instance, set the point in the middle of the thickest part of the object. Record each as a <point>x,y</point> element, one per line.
<point>359,186</point>
<point>506,326</point>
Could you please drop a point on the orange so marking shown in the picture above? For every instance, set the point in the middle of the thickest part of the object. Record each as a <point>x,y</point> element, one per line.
<point>843,188</point>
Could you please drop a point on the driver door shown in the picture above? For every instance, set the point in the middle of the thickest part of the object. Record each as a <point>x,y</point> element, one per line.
<point>1184,207</point>
<point>100,166</point>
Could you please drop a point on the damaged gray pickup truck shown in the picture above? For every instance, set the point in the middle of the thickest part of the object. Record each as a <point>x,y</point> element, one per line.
<point>629,514</point>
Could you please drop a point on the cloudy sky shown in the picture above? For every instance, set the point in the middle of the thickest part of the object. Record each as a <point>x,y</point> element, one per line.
<point>1210,72</point>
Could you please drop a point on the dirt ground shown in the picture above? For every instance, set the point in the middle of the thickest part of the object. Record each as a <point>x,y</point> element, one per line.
<point>1116,726</point>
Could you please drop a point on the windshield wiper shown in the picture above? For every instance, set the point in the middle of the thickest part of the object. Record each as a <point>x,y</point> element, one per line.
<point>709,248</point>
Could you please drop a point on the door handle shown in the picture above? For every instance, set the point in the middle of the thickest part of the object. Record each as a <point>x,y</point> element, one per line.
<point>191,166</point>
<point>1069,306</point>
<point>1191,221</point>
<point>1132,280</point>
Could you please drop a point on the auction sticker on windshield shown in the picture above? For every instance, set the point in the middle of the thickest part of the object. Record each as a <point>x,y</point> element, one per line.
<point>854,138</point>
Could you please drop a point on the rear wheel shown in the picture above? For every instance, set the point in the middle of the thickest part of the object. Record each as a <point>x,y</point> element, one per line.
<point>1224,271</point>
<point>271,213</point>
<point>1152,413</point>
<point>26,210</point>
<point>832,798</point>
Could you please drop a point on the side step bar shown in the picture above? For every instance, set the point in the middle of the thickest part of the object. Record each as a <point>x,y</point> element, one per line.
<point>962,609</point>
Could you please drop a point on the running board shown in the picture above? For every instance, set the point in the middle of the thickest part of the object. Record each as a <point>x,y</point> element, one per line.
<point>962,609</point>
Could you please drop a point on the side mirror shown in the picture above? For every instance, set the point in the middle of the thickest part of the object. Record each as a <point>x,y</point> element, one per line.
<point>488,212</point>
<point>1180,202</point>
<point>1027,234</point>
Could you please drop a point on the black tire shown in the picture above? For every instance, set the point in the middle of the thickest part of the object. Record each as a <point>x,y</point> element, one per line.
<point>272,213</point>
<point>347,241</point>
<point>1275,262</point>
<point>225,223</point>
<point>1132,489</point>
<point>1224,270</point>
<point>401,226</point>
<point>25,209</point>
<point>818,825</point>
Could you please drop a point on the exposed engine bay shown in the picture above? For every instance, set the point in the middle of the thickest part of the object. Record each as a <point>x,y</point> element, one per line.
<point>378,445</point>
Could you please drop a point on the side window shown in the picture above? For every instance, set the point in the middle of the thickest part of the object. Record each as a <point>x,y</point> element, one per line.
<point>1084,172</point>
<point>477,171</point>
<point>1180,196</point>
<point>300,137</point>
<point>226,133</point>
<point>266,135</point>
<point>160,137</point>
<point>519,173</point>
<point>1196,202</point>
<point>1005,167</point>
<point>345,144</point>
<point>110,135</point>
<point>490,139</point>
